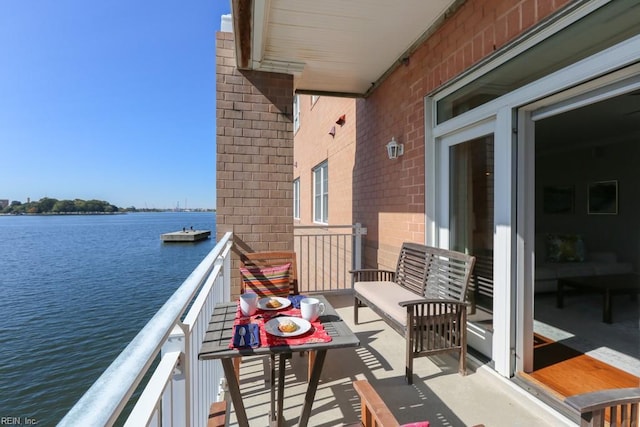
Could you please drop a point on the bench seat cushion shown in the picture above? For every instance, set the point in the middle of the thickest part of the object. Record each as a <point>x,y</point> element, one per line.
<point>386,296</point>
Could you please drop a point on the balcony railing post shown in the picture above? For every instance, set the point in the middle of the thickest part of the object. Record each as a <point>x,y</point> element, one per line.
<point>175,402</point>
<point>358,232</point>
<point>226,273</point>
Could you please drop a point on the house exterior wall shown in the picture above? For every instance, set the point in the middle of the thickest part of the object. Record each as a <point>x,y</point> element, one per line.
<point>314,145</point>
<point>388,196</point>
<point>254,138</point>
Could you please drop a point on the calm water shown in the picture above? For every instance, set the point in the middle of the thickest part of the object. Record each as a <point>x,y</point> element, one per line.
<point>74,290</point>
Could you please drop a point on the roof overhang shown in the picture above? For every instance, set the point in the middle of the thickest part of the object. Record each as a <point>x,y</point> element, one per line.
<point>337,47</point>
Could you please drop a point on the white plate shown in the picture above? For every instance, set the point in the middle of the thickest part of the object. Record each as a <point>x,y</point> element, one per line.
<point>262,303</point>
<point>272,326</point>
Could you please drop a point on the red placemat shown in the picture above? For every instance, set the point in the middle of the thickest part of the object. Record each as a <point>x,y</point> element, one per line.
<point>317,333</point>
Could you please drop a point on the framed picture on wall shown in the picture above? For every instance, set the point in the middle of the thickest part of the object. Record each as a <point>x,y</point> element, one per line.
<point>603,198</point>
<point>558,200</point>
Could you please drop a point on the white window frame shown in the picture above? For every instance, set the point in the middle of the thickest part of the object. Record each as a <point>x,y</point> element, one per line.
<point>296,113</point>
<point>296,198</point>
<point>321,198</point>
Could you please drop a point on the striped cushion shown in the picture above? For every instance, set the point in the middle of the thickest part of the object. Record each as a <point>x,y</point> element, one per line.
<point>266,281</point>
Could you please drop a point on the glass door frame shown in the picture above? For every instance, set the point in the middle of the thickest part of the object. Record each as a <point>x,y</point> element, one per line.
<point>498,125</point>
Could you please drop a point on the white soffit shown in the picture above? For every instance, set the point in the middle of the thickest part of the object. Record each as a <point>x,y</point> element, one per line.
<point>340,46</point>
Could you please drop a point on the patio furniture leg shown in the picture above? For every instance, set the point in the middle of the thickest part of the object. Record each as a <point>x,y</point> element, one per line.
<point>273,416</point>
<point>280,404</point>
<point>408,372</point>
<point>312,387</point>
<point>462,368</point>
<point>560,294</point>
<point>234,391</point>
<point>409,343</point>
<point>311,357</point>
<point>606,310</point>
<point>356,303</point>
<point>236,365</point>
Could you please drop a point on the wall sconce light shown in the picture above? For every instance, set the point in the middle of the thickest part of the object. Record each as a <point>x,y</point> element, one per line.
<point>394,150</point>
<point>341,120</point>
<point>332,131</point>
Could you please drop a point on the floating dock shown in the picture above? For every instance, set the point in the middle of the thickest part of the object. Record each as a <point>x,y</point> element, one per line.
<point>186,236</point>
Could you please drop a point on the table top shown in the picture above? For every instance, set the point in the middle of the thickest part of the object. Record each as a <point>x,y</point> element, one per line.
<point>220,330</point>
<point>624,282</point>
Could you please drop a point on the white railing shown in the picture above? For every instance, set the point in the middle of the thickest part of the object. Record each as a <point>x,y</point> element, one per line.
<point>181,387</point>
<point>326,254</point>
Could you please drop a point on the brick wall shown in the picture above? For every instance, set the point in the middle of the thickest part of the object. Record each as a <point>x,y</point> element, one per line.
<point>254,138</point>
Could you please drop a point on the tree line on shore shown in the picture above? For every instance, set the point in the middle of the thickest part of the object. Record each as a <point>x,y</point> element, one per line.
<point>55,206</point>
<point>48,205</point>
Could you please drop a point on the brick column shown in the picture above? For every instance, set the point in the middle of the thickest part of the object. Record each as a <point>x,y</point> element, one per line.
<point>254,138</point>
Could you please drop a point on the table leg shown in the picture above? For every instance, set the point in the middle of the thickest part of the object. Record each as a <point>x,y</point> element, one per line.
<point>606,309</point>
<point>234,391</point>
<point>560,294</point>
<point>312,387</point>
<point>280,404</point>
<point>273,415</point>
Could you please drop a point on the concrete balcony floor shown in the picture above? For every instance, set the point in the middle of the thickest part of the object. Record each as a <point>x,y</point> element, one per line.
<point>439,394</point>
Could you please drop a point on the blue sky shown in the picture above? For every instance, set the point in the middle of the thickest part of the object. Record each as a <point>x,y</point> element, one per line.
<point>110,100</point>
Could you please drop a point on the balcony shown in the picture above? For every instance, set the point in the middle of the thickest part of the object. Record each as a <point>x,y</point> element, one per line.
<point>439,394</point>
<point>178,389</point>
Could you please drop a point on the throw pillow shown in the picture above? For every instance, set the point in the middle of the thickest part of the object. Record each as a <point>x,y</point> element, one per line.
<point>565,248</point>
<point>267,281</point>
<point>419,424</point>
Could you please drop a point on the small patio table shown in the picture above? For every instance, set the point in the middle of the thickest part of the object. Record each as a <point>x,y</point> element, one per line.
<point>607,285</point>
<point>216,346</point>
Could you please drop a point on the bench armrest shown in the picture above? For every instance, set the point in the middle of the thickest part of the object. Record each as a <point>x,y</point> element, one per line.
<point>373,275</point>
<point>601,399</point>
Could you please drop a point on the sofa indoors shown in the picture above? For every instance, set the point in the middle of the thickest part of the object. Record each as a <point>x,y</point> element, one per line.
<point>565,255</point>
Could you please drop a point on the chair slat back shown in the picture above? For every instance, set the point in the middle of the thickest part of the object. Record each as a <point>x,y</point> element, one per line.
<point>272,259</point>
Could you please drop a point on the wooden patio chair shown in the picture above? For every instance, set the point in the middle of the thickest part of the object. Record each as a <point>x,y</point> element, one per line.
<point>374,412</point>
<point>267,260</point>
<point>615,407</point>
<point>272,259</point>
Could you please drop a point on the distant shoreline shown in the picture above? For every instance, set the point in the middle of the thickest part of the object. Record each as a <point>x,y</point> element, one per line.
<point>102,213</point>
<point>62,213</point>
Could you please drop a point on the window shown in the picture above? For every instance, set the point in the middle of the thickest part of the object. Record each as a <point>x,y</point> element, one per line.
<point>296,113</point>
<point>321,194</point>
<point>296,198</point>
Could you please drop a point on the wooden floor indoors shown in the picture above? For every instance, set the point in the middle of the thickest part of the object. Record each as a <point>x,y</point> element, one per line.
<point>564,371</point>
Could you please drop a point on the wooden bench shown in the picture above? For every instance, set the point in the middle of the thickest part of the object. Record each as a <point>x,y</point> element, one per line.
<point>424,300</point>
<point>616,407</point>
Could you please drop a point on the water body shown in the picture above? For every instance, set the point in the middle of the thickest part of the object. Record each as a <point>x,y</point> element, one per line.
<point>74,291</point>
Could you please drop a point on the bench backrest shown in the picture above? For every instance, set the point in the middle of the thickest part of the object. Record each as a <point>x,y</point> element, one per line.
<point>433,272</point>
